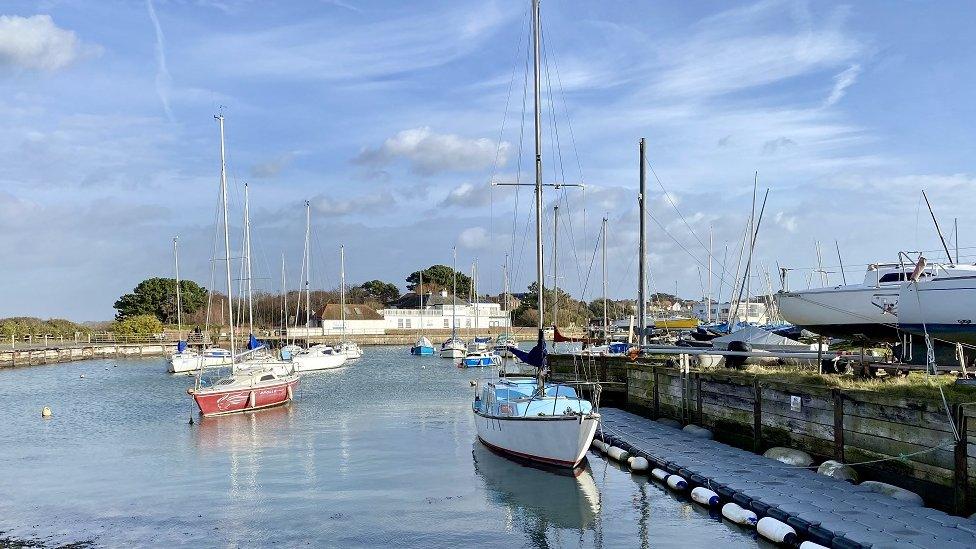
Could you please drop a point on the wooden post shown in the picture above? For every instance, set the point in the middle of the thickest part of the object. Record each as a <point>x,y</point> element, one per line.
<point>698,398</point>
<point>757,417</point>
<point>820,342</point>
<point>657,390</point>
<point>838,425</point>
<point>961,471</point>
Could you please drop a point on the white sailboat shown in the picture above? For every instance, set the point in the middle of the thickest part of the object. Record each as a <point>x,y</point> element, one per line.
<point>942,304</point>
<point>349,349</point>
<point>315,357</point>
<point>454,347</point>
<point>529,417</point>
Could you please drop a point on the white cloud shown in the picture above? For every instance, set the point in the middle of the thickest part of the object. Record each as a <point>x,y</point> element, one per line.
<point>273,167</point>
<point>36,43</point>
<point>474,238</point>
<point>163,78</point>
<point>842,81</point>
<point>338,206</point>
<point>430,153</point>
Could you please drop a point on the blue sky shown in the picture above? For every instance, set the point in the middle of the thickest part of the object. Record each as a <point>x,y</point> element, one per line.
<point>388,117</point>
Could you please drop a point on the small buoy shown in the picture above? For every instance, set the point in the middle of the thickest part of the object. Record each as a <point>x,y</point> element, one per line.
<point>472,383</point>
<point>46,411</point>
<point>789,456</point>
<point>82,376</point>
<point>659,474</point>
<point>776,531</point>
<point>676,482</point>
<point>812,545</point>
<point>597,445</point>
<point>618,454</point>
<point>738,515</point>
<point>838,470</point>
<point>638,464</point>
<point>705,496</point>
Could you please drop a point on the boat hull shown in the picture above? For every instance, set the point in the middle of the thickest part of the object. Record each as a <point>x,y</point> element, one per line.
<point>185,364</point>
<point>861,313</point>
<point>453,353</point>
<point>217,403</point>
<point>555,440</point>
<point>422,351</point>
<point>943,307</point>
<point>315,363</point>
<point>483,361</point>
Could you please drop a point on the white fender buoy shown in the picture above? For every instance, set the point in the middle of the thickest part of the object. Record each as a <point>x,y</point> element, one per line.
<point>776,531</point>
<point>600,445</point>
<point>46,411</point>
<point>638,464</point>
<point>659,474</point>
<point>82,376</point>
<point>812,545</point>
<point>705,496</point>
<point>251,400</point>
<point>618,454</point>
<point>905,496</point>
<point>676,482</point>
<point>738,515</point>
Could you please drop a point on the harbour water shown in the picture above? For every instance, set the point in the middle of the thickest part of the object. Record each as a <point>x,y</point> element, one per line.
<point>380,453</point>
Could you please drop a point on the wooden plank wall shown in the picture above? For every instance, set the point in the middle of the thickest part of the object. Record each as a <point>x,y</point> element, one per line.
<point>913,438</point>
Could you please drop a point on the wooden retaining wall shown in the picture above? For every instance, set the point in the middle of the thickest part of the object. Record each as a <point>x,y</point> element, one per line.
<point>913,437</point>
<point>51,355</point>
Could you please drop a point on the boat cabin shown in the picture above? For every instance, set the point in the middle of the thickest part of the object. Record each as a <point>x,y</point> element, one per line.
<point>516,397</point>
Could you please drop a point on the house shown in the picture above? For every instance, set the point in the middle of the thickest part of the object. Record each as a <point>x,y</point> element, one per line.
<point>440,313</point>
<point>360,319</point>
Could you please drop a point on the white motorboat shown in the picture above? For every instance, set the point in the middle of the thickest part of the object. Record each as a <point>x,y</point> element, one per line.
<point>350,349</point>
<point>942,305</point>
<point>188,361</point>
<point>867,310</point>
<point>318,357</point>
<point>453,348</point>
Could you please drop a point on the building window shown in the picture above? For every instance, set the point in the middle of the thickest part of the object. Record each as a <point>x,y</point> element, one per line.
<point>446,323</point>
<point>399,323</point>
<point>407,323</point>
<point>467,323</point>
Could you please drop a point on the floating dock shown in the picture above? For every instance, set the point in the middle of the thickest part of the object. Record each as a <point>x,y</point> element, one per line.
<point>821,509</point>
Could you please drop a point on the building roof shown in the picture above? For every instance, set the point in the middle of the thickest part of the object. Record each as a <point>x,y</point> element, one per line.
<point>354,311</point>
<point>412,301</point>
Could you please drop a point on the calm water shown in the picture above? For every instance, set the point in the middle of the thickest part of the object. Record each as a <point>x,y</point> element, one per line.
<point>382,452</point>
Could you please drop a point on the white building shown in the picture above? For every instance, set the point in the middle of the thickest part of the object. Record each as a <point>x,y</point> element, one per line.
<point>720,312</point>
<point>439,312</point>
<point>360,320</point>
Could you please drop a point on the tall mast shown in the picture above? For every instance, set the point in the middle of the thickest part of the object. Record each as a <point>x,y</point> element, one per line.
<point>308,267</point>
<point>642,260</point>
<point>179,313</point>
<point>555,281</point>
<point>342,289</point>
<point>284,298</point>
<point>223,199</point>
<point>505,288</point>
<point>606,308</point>
<point>420,292</point>
<point>708,299</point>
<point>247,259</point>
<point>474,294</point>
<point>454,295</point>
<point>537,90</point>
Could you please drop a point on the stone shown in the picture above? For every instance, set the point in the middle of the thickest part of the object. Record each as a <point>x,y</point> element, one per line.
<point>696,431</point>
<point>838,470</point>
<point>890,490</point>
<point>669,422</point>
<point>789,456</point>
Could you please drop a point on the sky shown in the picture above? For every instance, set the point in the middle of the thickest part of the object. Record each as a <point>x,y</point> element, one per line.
<point>392,119</point>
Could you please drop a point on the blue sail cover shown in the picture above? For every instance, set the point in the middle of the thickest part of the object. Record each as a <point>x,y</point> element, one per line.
<point>253,343</point>
<point>534,357</point>
<point>181,346</point>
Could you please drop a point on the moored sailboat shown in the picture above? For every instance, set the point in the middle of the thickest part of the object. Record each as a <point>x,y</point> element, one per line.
<point>530,417</point>
<point>423,346</point>
<point>453,347</point>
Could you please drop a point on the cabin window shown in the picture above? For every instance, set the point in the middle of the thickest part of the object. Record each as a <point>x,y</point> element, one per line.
<point>268,377</point>
<point>899,277</point>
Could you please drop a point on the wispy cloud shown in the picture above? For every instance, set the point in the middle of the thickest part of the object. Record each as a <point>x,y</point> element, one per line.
<point>163,78</point>
<point>36,43</point>
<point>842,81</point>
<point>429,152</point>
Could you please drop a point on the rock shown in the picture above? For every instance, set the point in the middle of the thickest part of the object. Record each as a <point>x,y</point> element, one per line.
<point>669,422</point>
<point>697,431</point>
<point>789,456</point>
<point>890,490</point>
<point>838,470</point>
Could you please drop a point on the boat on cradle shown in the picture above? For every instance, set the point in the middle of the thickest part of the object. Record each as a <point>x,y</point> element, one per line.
<point>502,343</point>
<point>453,348</point>
<point>480,359</point>
<point>614,348</point>
<point>318,357</point>
<point>865,311</point>
<point>423,347</point>
<point>187,361</point>
<point>251,387</point>
<point>942,305</point>
<point>245,391</point>
<point>529,417</point>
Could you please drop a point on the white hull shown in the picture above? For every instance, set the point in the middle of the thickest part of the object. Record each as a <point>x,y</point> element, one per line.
<point>556,440</point>
<point>318,359</point>
<point>843,310</point>
<point>182,363</point>
<point>351,351</point>
<point>943,307</point>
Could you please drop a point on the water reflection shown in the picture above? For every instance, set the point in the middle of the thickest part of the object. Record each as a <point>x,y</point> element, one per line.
<point>246,432</point>
<point>539,501</point>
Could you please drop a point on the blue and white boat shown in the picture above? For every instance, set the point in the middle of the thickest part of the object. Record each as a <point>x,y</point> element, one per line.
<point>528,417</point>
<point>423,347</point>
<point>480,359</point>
